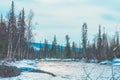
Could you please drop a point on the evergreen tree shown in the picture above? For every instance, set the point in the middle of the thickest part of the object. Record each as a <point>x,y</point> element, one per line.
<point>104,46</point>
<point>94,50</point>
<point>54,48</point>
<point>112,48</point>
<point>40,54</point>
<point>67,47</point>
<point>59,55</point>
<point>99,44</point>
<point>3,38</point>
<point>46,49</point>
<point>74,50</point>
<point>84,40</point>
<point>117,45</point>
<point>20,46</point>
<point>11,32</point>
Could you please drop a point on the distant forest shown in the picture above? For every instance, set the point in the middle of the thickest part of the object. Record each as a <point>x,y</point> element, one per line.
<point>16,38</point>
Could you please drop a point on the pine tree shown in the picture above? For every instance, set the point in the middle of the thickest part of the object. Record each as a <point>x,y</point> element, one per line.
<point>104,46</point>
<point>67,47</point>
<point>3,37</point>
<point>46,49</point>
<point>117,45</point>
<point>54,48</point>
<point>112,48</point>
<point>74,51</point>
<point>84,40</point>
<point>20,46</point>
<point>11,32</point>
<point>94,50</point>
<point>99,44</point>
<point>59,55</point>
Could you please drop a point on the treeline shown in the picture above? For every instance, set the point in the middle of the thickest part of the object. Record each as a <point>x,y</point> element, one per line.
<point>102,47</point>
<point>16,35</point>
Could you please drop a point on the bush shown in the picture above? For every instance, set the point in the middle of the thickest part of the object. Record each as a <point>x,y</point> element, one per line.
<point>9,71</point>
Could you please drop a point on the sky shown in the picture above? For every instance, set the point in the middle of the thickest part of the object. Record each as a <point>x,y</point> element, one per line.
<point>66,17</point>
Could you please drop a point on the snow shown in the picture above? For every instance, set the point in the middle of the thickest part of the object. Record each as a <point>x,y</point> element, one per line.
<point>105,62</point>
<point>114,62</point>
<point>50,59</point>
<point>93,61</point>
<point>54,59</point>
<point>24,63</point>
<point>67,70</point>
<point>79,71</point>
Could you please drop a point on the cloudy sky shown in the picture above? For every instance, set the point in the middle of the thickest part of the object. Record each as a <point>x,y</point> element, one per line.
<point>62,17</point>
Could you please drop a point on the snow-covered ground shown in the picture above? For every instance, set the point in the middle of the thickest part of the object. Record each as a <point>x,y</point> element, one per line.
<point>67,71</point>
<point>81,71</point>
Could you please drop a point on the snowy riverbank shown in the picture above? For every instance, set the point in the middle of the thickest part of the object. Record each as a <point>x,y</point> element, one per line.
<point>66,70</point>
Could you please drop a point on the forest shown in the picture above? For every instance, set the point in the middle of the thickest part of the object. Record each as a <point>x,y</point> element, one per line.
<point>16,38</point>
<point>15,35</point>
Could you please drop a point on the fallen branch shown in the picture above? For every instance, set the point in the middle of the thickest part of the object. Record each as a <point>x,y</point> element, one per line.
<point>41,71</point>
<point>35,70</point>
